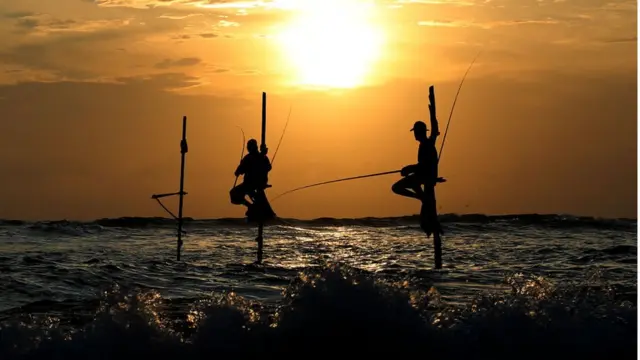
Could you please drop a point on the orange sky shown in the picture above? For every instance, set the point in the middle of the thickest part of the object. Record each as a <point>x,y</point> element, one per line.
<point>92,94</point>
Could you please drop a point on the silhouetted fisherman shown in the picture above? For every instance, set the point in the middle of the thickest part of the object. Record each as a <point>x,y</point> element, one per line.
<point>255,167</point>
<point>424,173</point>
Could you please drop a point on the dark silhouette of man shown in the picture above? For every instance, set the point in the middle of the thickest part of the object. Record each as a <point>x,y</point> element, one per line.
<point>425,172</point>
<point>255,167</point>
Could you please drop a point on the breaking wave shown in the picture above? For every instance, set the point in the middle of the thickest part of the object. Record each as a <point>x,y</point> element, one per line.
<point>337,310</point>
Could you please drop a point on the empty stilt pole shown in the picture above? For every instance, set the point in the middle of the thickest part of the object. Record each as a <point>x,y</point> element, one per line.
<point>183,150</point>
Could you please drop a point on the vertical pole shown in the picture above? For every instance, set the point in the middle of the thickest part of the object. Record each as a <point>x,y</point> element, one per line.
<point>260,238</point>
<point>183,150</point>
<point>437,248</point>
<point>437,243</point>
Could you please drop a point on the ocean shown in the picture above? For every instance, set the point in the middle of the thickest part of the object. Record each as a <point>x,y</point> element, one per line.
<point>513,286</point>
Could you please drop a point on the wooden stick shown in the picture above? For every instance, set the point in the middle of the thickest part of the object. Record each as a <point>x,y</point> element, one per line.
<point>437,242</point>
<point>183,150</point>
<point>260,239</point>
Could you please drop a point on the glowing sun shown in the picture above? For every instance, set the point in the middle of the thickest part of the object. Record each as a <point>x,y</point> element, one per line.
<point>330,43</point>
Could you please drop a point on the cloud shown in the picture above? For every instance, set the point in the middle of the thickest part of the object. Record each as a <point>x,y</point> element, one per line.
<point>487,25</point>
<point>140,4</point>
<point>168,63</point>
<point>163,82</point>
<point>446,23</point>
<point>18,14</point>
<point>177,17</point>
<point>434,2</point>
<point>45,24</point>
<point>629,39</point>
<point>84,49</point>
<point>225,23</point>
<point>74,56</point>
<point>211,4</point>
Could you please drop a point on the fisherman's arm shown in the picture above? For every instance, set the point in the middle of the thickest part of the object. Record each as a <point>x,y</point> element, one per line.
<point>264,151</point>
<point>241,168</point>
<point>435,130</point>
<point>409,169</point>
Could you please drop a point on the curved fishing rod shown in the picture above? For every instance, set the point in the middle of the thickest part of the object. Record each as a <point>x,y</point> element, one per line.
<point>455,99</point>
<point>281,137</point>
<point>394,171</point>
<point>241,154</point>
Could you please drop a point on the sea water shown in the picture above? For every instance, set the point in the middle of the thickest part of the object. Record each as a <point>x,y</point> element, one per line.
<point>517,286</point>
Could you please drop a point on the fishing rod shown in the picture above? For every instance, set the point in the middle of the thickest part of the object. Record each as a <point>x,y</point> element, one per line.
<point>241,154</point>
<point>281,137</point>
<point>455,99</point>
<point>338,180</point>
<point>394,171</point>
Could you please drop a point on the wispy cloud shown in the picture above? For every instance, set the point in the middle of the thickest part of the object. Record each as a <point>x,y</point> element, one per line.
<point>177,17</point>
<point>225,23</point>
<point>141,4</point>
<point>213,4</point>
<point>166,81</point>
<point>486,25</point>
<point>168,63</point>
<point>434,2</point>
<point>445,23</point>
<point>44,24</point>
<point>621,40</point>
<point>18,14</point>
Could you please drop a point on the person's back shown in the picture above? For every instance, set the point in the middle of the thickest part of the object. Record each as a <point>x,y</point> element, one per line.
<point>427,161</point>
<point>256,167</point>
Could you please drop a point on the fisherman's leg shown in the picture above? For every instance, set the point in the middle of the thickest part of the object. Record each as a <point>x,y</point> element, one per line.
<point>417,189</point>
<point>237,195</point>
<point>402,187</point>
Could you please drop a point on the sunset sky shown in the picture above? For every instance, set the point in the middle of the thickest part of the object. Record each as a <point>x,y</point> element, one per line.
<point>92,95</point>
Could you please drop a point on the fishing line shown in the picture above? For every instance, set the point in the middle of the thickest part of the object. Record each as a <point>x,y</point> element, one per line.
<point>335,181</point>
<point>444,137</point>
<point>281,137</point>
<point>241,154</point>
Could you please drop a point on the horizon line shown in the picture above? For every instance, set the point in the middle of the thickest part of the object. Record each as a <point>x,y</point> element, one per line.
<point>188,218</point>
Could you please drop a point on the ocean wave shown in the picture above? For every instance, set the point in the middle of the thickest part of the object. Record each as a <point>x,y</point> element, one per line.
<point>332,310</point>
<point>546,220</point>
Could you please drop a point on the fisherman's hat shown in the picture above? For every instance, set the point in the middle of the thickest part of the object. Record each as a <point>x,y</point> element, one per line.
<point>419,125</point>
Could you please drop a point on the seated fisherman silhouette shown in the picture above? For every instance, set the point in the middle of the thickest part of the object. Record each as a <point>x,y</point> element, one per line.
<point>425,172</point>
<point>255,167</point>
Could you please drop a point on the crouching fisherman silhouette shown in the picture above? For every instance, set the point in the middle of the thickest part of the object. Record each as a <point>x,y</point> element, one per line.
<point>255,167</point>
<point>424,173</point>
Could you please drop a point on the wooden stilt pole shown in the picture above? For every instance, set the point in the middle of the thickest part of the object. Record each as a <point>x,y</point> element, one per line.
<point>437,248</point>
<point>260,239</point>
<point>183,150</point>
<point>437,243</point>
